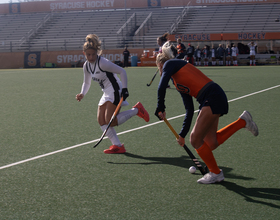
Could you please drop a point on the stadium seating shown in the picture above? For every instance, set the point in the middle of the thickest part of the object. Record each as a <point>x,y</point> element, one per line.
<point>67,30</point>
<point>229,19</point>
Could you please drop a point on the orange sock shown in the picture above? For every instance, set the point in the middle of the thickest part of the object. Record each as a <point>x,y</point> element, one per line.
<point>224,133</point>
<point>207,156</point>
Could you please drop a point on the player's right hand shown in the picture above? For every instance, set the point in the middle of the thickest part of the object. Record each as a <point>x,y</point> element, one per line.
<point>79,97</point>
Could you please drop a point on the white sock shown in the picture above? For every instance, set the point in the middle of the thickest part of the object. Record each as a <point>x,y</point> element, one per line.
<point>124,116</point>
<point>250,61</point>
<point>112,135</point>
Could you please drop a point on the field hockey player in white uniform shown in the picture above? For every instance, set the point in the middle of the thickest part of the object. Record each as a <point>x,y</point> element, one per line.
<point>234,53</point>
<point>252,47</point>
<point>103,71</point>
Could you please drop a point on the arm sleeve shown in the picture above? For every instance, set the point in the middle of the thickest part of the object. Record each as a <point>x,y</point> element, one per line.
<point>108,66</point>
<point>87,81</point>
<point>188,103</point>
<point>164,80</point>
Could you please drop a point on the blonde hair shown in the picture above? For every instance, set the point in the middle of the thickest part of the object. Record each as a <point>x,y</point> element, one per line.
<point>169,50</point>
<point>92,42</point>
<point>161,58</point>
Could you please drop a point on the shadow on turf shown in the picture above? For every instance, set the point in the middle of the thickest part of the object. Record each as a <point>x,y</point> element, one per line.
<point>250,194</point>
<point>183,161</point>
<point>247,193</point>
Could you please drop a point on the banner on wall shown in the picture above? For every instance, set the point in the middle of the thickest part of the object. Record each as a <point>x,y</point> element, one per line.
<point>227,36</point>
<point>14,8</point>
<point>32,59</point>
<point>70,5</point>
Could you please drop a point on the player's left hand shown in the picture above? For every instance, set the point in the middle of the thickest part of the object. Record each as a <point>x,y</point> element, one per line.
<point>125,93</point>
<point>181,141</point>
<point>160,114</point>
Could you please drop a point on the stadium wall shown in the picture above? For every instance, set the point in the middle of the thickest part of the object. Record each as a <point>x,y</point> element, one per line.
<point>62,59</point>
<point>71,5</point>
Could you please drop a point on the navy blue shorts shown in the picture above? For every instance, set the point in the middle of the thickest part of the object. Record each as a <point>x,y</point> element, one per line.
<point>215,97</point>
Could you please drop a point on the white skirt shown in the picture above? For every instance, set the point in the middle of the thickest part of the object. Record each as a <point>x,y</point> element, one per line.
<point>108,96</point>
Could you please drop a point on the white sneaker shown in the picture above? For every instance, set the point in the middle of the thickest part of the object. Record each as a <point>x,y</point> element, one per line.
<point>250,124</point>
<point>209,178</point>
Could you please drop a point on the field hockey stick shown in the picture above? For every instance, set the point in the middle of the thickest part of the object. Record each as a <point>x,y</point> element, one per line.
<point>153,78</point>
<point>196,162</point>
<point>111,120</point>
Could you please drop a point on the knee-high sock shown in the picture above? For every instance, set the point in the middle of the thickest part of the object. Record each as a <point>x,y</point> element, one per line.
<point>207,156</point>
<point>124,116</point>
<point>112,135</point>
<point>224,133</point>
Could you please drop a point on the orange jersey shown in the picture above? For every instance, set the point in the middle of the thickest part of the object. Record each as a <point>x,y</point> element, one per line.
<point>190,80</point>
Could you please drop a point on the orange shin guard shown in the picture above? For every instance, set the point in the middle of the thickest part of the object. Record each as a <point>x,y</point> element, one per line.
<point>224,133</point>
<point>207,156</point>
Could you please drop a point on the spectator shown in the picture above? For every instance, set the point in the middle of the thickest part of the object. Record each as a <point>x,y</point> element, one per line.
<point>228,55</point>
<point>234,53</point>
<point>220,54</point>
<point>252,47</point>
<point>126,55</point>
<point>181,49</point>
<point>197,54</point>
<point>190,53</point>
<point>206,53</point>
<point>213,55</point>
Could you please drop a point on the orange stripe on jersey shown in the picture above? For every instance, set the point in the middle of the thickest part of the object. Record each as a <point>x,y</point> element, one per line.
<point>190,80</point>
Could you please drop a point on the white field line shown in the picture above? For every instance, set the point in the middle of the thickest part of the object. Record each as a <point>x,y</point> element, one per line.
<point>123,132</point>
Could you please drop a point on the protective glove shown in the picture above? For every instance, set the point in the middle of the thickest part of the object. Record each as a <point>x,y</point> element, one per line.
<point>124,93</point>
<point>158,111</point>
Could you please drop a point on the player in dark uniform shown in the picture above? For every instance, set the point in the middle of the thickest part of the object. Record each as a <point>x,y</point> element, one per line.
<point>191,82</point>
<point>190,53</point>
<point>181,49</point>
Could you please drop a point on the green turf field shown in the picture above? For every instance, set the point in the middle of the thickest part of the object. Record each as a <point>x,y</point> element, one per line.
<point>49,170</point>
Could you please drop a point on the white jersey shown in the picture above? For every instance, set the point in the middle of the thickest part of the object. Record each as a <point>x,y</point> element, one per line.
<point>198,53</point>
<point>105,73</point>
<point>213,52</point>
<point>234,51</point>
<point>252,49</point>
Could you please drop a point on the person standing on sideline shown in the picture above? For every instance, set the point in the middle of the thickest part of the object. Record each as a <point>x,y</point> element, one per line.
<point>206,53</point>
<point>213,56</point>
<point>190,53</point>
<point>205,136</point>
<point>181,49</point>
<point>197,54</point>
<point>234,53</point>
<point>220,54</point>
<point>252,47</point>
<point>105,72</point>
<point>126,55</point>
<point>228,55</point>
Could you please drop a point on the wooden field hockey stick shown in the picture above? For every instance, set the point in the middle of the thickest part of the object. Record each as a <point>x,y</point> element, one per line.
<point>153,78</point>
<point>196,162</point>
<point>111,120</point>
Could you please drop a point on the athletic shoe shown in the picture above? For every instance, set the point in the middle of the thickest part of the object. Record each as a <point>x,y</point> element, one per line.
<point>209,178</point>
<point>250,124</point>
<point>142,113</point>
<point>114,149</point>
